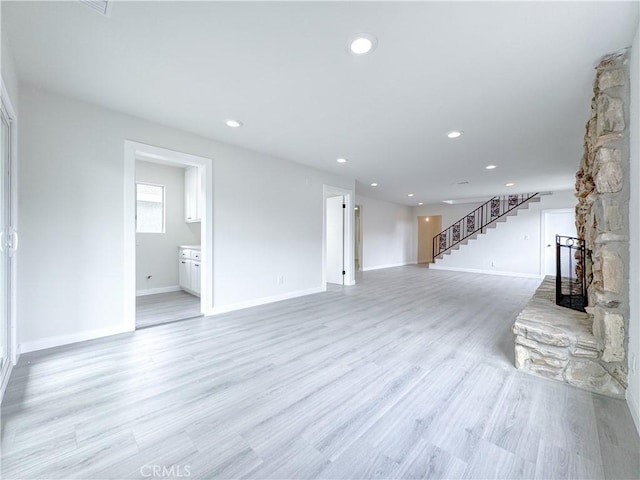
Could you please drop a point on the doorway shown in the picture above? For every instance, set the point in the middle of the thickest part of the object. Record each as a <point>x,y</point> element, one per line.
<point>555,222</point>
<point>8,238</point>
<point>168,198</point>
<point>338,260</point>
<point>168,240</point>
<point>428,227</point>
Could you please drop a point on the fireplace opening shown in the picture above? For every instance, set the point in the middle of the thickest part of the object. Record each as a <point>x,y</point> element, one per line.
<point>571,279</point>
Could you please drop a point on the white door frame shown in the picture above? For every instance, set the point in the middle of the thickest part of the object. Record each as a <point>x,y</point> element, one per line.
<point>543,234</point>
<point>349,262</point>
<point>13,221</point>
<point>139,151</point>
<point>358,241</point>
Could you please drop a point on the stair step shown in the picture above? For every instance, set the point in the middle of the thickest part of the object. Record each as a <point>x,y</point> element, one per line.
<point>493,224</point>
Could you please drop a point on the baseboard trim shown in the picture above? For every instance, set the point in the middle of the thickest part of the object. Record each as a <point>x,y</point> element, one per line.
<point>263,301</point>
<point>634,408</point>
<point>487,272</point>
<point>154,291</point>
<point>380,267</point>
<point>60,340</point>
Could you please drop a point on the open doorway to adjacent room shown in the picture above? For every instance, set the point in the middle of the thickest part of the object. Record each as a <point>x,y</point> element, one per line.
<point>170,195</point>
<point>428,227</point>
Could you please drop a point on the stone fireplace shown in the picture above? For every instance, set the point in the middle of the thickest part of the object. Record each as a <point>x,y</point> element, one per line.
<point>589,350</point>
<point>603,210</point>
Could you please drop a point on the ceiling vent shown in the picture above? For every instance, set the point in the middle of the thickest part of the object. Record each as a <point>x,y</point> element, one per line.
<point>100,6</point>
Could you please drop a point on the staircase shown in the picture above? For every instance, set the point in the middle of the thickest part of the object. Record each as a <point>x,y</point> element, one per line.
<point>488,215</point>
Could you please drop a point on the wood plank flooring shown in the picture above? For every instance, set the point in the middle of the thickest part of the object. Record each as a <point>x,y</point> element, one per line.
<point>409,374</point>
<point>166,308</point>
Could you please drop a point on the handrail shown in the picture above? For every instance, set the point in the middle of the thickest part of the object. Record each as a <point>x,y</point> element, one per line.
<point>477,221</point>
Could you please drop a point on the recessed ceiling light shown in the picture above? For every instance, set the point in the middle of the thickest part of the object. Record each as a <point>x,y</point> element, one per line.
<point>409,194</point>
<point>374,184</point>
<point>420,203</point>
<point>510,184</point>
<point>232,123</point>
<point>490,167</point>
<point>341,160</point>
<point>362,43</point>
<point>454,134</point>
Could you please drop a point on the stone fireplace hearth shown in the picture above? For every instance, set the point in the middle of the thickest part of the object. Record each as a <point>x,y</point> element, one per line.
<point>602,214</point>
<point>558,343</point>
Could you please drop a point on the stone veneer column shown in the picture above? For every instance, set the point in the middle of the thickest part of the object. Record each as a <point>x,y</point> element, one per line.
<point>602,186</point>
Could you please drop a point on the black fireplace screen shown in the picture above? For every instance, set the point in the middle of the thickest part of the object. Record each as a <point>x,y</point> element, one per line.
<point>571,280</point>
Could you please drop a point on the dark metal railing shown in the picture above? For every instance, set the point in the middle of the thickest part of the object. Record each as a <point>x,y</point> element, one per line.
<point>477,221</point>
<point>571,278</point>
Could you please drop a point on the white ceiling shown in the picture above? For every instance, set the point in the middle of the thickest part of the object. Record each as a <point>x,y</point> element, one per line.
<point>514,76</point>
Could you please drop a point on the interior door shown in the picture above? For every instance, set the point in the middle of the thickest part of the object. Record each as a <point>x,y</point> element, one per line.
<point>334,241</point>
<point>556,222</point>
<point>5,244</point>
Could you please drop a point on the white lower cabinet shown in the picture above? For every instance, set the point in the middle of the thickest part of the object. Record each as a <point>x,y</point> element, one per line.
<point>189,268</point>
<point>195,277</point>
<point>184,273</point>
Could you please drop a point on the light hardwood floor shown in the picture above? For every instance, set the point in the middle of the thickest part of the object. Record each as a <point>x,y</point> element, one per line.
<point>409,374</point>
<point>165,308</point>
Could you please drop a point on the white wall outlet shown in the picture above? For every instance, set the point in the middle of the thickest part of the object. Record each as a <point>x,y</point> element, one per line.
<point>526,237</point>
<point>281,280</point>
<point>493,263</point>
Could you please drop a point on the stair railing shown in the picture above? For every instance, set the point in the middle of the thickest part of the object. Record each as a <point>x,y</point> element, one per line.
<point>477,221</point>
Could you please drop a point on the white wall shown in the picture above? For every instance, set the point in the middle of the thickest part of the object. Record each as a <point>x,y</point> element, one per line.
<point>513,247</point>
<point>157,253</point>
<point>388,234</point>
<point>633,391</point>
<point>450,213</point>
<point>267,219</point>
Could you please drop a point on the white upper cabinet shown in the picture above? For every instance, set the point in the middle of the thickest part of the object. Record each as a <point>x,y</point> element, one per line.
<point>192,195</point>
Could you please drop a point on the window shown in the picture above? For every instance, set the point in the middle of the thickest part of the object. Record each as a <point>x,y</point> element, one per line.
<point>149,208</point>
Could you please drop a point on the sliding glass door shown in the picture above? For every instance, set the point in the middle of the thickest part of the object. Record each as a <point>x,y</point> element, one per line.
<point>6,243</point>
